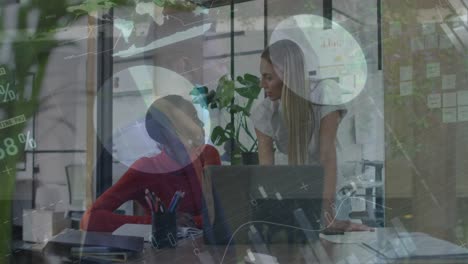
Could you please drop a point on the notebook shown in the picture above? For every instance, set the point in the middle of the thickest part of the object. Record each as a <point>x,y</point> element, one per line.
<point>63,243</point>
<point>100,253</point>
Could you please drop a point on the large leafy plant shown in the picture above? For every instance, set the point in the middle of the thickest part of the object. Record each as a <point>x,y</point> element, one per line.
<point>30,48</point>
<point>234,97</point>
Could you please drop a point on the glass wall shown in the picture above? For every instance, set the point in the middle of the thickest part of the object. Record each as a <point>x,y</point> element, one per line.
<point>284,123</point>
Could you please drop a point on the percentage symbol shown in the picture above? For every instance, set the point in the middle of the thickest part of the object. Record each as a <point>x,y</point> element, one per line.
<point>8,94</point>
<point>27,140</point>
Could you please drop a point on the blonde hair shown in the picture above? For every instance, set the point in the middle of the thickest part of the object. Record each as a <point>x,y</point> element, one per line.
<point>287,59</point>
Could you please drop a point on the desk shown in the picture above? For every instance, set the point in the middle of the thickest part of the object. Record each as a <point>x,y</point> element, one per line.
<point>337,253</point>
<point>184,253</point>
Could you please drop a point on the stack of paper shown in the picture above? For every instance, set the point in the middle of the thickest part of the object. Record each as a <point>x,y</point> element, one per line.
<point>351,237</point>
<point>144,231</point>
<point>415,246</point>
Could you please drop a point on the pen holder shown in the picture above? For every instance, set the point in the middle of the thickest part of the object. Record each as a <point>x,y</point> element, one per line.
<point>163,230</point>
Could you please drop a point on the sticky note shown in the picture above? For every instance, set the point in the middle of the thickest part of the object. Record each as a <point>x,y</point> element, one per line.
<point>406,73</point>
<point>449,81</point>
<point>449,115</point>
<point>434,100</point>
<point>395,28</point>
<point>444,42</point>
<point>432,70</point>
<point>449,99</point>
<point>462,98</point>
<point>463,113</point>
<point>428,28</point>
<point>431,42</point>
<point>406,88</point>
<point>417,44</point>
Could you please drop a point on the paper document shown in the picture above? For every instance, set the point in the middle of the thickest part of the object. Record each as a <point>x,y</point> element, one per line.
<point>425,246</point>
<point>137,230</point>
<point>144,231</point>
<point>351,237</point>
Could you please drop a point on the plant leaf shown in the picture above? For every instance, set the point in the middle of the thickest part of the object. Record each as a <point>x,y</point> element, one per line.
<point>252,78</point>
<point>234,109</point>
<point>224,92</point>
<point>218,136</point>
<point>251,88</point>
<point>159,3</point>
<point>250,92</point>
<point>241,80</point>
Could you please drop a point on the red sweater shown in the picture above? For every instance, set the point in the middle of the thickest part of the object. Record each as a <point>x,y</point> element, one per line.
<point>159,174</point>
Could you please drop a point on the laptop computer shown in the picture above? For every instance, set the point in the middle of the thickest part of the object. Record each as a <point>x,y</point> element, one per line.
<point>260,202</point>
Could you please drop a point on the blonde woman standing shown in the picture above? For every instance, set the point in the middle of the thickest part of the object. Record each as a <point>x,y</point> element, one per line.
<point>304,131</point>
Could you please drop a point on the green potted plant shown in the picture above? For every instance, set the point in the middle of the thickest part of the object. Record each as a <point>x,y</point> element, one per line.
<point>247,88</point>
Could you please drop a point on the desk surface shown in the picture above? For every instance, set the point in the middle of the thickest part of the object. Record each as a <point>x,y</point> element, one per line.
<point>189,251</point>
<point>194,251</point>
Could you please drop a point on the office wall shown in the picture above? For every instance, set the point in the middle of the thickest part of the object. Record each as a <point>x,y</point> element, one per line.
<point>60,125</point>
<point>65,92</point>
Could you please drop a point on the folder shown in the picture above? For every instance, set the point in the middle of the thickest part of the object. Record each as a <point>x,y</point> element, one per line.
<point>63,243</point>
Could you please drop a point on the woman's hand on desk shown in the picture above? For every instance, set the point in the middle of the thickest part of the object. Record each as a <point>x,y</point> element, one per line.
<point>337,226</point>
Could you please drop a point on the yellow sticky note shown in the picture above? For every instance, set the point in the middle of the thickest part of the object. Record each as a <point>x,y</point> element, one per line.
<point>432,70</point>
<point>462,98</point>
<point>395,28</point>
<point>449,81</point>
<point>449,115</point>
<point>406,88</point>
<point>449,99</point>
<point>463,113</point>
<point>434,100</point>
<point>406,73</point>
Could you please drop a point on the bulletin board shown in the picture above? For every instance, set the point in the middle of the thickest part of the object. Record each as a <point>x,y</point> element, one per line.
<point>426,111</point>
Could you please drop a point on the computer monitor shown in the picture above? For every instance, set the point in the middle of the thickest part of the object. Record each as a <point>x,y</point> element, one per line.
<point>271,203</point>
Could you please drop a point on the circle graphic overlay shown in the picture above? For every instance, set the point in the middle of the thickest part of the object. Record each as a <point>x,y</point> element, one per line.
<point>134,90</point>
<point>335,64</point>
